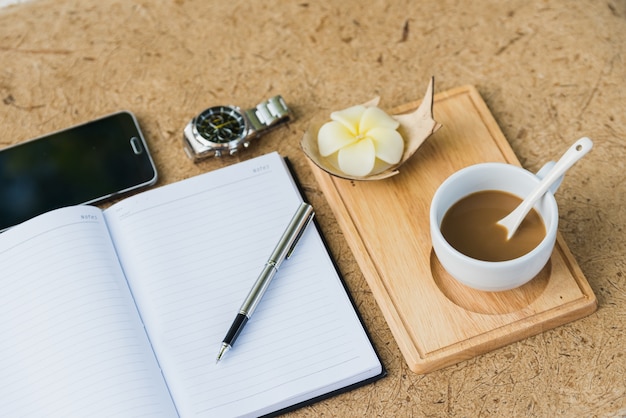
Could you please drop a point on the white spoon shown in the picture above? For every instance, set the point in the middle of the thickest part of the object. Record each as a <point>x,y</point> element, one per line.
<point>513,220</point>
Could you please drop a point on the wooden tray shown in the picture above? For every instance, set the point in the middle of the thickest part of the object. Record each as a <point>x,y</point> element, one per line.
<point>435,320</point>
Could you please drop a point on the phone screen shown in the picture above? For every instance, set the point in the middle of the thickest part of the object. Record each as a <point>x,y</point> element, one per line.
<point>83,164</point>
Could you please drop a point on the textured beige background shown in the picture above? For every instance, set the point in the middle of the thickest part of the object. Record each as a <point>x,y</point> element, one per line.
<point>550,71</point>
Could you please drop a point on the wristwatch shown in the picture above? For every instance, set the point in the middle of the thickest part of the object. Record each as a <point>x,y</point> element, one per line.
<point>224,130</point>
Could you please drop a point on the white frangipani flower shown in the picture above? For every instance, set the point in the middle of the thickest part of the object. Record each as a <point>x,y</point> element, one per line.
<point>359,135</point>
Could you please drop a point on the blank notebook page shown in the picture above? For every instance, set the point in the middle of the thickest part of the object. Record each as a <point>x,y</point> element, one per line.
<point>71,341</point>
<point>191,254</point>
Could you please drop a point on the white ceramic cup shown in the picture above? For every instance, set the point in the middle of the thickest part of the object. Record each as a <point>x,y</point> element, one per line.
<point>493,275</point>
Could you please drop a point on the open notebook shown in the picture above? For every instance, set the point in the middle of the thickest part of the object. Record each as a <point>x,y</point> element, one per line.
<point>121,312</point>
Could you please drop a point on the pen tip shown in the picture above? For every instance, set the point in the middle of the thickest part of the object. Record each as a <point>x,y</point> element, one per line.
<point>221,353</point>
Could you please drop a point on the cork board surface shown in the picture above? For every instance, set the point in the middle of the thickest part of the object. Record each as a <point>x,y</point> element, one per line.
<point>549,72</point>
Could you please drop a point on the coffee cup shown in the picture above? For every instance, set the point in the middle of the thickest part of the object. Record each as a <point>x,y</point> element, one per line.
<point>493,275</point>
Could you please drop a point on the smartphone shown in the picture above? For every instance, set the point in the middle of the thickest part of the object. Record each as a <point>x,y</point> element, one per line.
<point>84,164</point>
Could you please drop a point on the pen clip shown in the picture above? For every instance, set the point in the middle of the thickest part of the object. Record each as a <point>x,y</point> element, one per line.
<point>300,232</point>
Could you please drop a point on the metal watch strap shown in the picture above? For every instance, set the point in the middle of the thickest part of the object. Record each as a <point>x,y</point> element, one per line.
<point>267,114</point>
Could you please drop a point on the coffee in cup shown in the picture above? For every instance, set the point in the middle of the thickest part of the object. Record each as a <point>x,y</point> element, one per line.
<point>471,227</point>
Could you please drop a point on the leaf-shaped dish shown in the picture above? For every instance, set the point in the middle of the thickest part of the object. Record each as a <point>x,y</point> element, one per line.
<point>414,127</point>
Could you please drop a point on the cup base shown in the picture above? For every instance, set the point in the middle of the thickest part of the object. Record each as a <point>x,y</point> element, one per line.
<point>490,303</point>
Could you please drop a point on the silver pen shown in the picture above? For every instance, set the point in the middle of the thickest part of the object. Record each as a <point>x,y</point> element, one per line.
<point>283,250</point>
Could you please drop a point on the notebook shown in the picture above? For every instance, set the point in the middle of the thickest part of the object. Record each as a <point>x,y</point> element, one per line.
<point>121,312</point>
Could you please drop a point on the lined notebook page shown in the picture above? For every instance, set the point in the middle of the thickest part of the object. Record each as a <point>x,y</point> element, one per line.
<point>71,344</point>
<point>192,251</point>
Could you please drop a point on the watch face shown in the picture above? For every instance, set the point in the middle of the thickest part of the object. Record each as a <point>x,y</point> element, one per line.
<point>221,124</point>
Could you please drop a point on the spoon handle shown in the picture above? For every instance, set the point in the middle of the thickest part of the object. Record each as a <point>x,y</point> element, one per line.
<point>571,156</point>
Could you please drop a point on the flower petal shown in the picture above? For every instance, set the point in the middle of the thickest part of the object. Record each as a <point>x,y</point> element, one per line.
<point>349,117</point>
<point>357,159</point>
<point>389,144</point>
<point>333,136</point>
<point>375,117</point>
